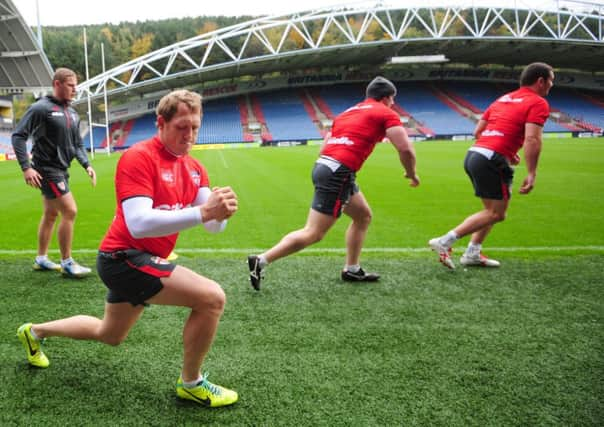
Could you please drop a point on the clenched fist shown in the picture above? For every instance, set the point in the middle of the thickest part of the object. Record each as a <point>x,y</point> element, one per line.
<point>221,204</point>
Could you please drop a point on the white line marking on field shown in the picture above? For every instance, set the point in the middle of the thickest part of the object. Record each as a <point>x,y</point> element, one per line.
<point>587,248</point>
<point>223,159</point>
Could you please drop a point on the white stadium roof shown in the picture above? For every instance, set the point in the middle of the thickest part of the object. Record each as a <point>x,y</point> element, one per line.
<point>565,34</point>
<point>23,65</point>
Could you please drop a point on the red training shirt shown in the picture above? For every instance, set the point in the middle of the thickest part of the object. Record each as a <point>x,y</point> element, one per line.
<point>355,132</point>
<point>506,118</point>
<point>147,169</point>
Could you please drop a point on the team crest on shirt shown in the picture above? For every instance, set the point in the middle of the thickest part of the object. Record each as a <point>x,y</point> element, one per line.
<point>167,176</point>
<point>159,260</point>
<point>196,177</point>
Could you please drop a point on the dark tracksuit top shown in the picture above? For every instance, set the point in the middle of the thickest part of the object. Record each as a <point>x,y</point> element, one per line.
<point>54,128</point>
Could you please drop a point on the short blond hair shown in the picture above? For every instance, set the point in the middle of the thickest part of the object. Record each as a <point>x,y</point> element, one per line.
<point>62,74</point>
<point>169,103</point>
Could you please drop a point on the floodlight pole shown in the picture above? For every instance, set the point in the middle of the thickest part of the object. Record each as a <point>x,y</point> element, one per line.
<point>40,41</point>
<point>105,101</point>
<point>88,97</point>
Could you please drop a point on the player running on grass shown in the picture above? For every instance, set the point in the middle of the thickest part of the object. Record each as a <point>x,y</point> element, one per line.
<point>514,120</point>
<point>353,137</point>
<point>161,190</point>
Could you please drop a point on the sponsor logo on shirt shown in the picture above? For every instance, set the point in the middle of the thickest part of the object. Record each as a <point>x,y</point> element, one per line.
<point>159,260</point>
<point>492,132</point>
<point>195,177</point>
<point>167,176</point>
<point>508,99</point>
<point>57,114</point>
<point>340,141</point>
<point>360,107</point>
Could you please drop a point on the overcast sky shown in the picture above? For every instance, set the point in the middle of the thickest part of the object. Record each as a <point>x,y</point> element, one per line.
<point>86,12</point>
<point>81,12</point>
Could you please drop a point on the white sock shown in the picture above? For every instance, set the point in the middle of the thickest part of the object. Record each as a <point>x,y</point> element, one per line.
<point>449,238</point>
<point>191,384</point>
<point>41,258</point>
<point>353,268</point>
<point>262,260</point>
<point>64,262</point>
<point>474,248</point>
<point>33,334</point>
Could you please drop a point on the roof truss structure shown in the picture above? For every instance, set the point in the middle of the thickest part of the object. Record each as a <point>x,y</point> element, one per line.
<point>561,33</point>
<point>23,65</point>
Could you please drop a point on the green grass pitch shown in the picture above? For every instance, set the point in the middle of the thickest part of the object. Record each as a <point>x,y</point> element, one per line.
<point>521,345</point>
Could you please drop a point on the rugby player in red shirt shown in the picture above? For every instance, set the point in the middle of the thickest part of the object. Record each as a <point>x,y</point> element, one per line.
<point>514,120</point>
<point>160,190</point>
<point>353,137</point>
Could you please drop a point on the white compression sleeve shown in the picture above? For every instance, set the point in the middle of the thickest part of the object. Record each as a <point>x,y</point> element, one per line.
<point>144,221</point>
<point>212,226</point>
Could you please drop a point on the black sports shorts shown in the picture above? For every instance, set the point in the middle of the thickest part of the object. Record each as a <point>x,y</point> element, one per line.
<point>333,188</point>
<point>131,275</point>
<point>55,182</point>
<point>492,178</point>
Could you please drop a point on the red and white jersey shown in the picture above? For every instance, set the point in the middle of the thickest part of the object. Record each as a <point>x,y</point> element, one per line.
<point>506,118</point>
<point>355,132</point>
<point>147,169</point>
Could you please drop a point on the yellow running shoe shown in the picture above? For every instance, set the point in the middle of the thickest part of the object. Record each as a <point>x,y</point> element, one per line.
<point>206,393</point>
<point>35,356</point>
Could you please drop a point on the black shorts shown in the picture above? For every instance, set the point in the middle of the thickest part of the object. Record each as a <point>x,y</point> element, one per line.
<point>333,189</point>
<point>492,178</point>
<point>55,182</point>
<point>131,275</point>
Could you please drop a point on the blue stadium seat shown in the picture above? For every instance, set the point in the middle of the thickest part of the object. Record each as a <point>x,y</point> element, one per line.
<point>221,122</point>
<point>421,103</point>
<point>286,117</point>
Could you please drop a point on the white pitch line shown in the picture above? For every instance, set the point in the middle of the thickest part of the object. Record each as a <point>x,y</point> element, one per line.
<point>587,248</point>
<point>223,159</point>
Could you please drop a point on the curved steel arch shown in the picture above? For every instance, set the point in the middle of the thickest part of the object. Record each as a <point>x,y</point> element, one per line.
<point>331,34</point>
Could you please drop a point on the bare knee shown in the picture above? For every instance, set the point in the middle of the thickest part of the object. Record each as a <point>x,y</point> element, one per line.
<point>497,216</point>
<point>212,300</point>
<point>314,236</point>
<point>364,218</point>
<point>50,216</point>
<point>112,339</point>
<point>70,213</point>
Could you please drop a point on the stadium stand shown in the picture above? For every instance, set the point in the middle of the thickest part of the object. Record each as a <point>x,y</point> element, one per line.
<point>5,142</point>
<point>340,97</point>
<point>423,105</point>
<point>143,128</point>
<point>426,109</point>
<point>477,96</point>
<point>221,122</point>
<point>259,115</point>
<point>588,115</point>
<point>286,117</point>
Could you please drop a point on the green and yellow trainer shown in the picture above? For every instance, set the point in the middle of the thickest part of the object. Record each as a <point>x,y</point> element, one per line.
<point>206,393</point>
<point>35,356</point>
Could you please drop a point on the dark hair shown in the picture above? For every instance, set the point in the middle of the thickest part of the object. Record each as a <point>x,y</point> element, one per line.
<point>380,88</point>
<point>168,105</point>
<point>532,72</point>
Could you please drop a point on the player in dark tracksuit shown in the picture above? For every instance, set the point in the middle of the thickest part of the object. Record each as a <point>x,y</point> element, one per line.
<point>54,128</point>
